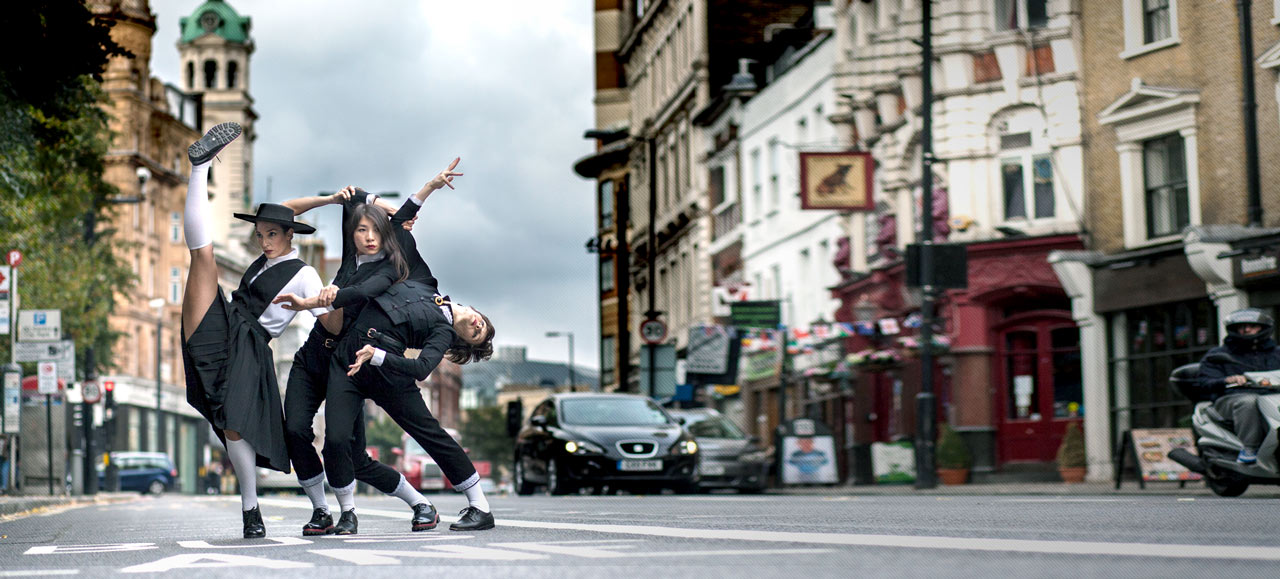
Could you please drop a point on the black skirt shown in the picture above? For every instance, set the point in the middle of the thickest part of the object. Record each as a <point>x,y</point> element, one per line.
<point>231,380</point>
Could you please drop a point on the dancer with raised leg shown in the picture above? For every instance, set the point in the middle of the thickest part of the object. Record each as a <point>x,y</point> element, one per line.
<point>230,373</point>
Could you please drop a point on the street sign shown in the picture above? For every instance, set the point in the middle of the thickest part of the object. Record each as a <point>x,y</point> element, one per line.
<point>708,351</point>
<point>92,392</point>
<point>664,379</point>
<point>39,325</point>
<point>15,258</point>
<point>756,314</point>
<point>5,303</point>
<point>12,402</point>
<point>63,352</point>
<point>47,373</point>
<point>653,331</point>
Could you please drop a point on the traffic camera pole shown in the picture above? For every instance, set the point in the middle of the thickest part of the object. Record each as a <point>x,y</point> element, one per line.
<point>926,402</point>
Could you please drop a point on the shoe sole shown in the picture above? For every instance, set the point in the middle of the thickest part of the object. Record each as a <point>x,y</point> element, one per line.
<point>203,150</point>
<point>314,532</point>
<point>249,536</point>
<point>484,528</point>
<point>427,526</point>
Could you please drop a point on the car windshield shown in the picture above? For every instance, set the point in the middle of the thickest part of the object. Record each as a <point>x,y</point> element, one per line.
<point>611,412</point>
<point>712,427</point>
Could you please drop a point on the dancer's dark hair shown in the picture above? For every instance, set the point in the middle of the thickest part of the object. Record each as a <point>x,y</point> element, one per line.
<point>387,234</point>
<point>461,352</point>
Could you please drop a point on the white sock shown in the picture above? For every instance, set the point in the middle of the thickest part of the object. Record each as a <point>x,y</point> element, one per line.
<point>408,494</point>
<point>195,218</point>
<point>314,487</point>
<point>346,497</point>
<point>475,497</point>
<point>245,462</point>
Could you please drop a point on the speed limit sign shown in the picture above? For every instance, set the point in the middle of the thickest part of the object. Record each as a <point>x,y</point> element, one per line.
<point>653,331</point>
<point>92,392</point>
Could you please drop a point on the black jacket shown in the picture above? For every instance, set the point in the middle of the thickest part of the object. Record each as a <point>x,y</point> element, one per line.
<point>1250,358</point>
<point>408,314</point>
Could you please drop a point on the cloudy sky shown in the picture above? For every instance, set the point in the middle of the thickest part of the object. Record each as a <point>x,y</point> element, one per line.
<point>384,94</point>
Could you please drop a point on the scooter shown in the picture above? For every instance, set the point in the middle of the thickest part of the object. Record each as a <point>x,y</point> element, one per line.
<point>1217,446</point>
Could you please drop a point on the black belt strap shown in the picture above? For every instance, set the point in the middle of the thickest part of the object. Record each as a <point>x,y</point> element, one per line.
<point>386,342</point>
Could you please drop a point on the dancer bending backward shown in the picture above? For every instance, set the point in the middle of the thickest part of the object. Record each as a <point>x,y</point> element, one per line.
<point>368,267</point>
<point>230,375</point>
<point>409,315</point>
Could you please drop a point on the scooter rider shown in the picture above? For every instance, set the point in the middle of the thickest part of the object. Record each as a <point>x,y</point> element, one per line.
<point>1249,342</point>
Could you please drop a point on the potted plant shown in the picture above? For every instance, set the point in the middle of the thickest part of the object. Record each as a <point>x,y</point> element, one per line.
<point>1071,455</point>
<point>954,459</point>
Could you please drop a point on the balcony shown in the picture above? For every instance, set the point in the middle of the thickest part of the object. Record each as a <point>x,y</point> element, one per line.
<point>727,218</point>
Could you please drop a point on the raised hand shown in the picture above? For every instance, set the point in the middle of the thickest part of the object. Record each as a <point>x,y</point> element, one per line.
<point>327,295</point>
<point>363,355</point>
<point>445,177</point>
<point>291,302</point>
<point>408,225</point>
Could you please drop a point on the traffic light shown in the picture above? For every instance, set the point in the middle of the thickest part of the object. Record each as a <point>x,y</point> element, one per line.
<point>110,387</point>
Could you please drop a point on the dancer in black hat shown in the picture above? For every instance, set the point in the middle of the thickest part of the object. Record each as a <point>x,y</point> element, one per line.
<point>230,374</point>
<point>372,260</point>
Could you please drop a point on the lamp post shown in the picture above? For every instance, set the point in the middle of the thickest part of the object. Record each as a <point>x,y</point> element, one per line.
<point>158,304</point>
<point>572,377</point>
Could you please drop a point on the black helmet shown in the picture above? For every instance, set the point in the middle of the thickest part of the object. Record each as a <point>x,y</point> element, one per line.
<point>1249,316</point>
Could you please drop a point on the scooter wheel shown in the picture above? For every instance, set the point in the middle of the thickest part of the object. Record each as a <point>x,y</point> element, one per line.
<point>1226,487</point>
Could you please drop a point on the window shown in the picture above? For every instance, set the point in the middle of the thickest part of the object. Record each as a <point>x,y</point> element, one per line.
<point>210,73</point>
<point>191,76</point>
<point>608,359</point>
<point>231,74</point>
<point>1021,14</point>
<point>606,204</point>
<point>1026,166</point>
<point>1148,344</point>
<point>1165,182</point>
<point>985,67</point>
<point>175,285</point>
<point>606,276</point>
<point>756,203</point>
<point>1156,21</point>
<point>175,227</point>
<point>774,186</point>
<point>715,186</point>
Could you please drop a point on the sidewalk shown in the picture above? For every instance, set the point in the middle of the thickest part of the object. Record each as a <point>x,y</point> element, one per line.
<point>22,505</point>
<point>1193,489</point>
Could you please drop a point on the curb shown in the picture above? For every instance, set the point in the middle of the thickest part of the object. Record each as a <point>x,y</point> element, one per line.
<point>22,506</point>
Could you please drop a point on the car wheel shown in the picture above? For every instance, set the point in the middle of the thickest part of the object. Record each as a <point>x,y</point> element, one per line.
<point>557,482</point>
<point>523,486</point>
<point>156,487</point>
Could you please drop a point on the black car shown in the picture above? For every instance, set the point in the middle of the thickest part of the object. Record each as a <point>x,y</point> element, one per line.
<point>573,441</point>
<point>729,458</point>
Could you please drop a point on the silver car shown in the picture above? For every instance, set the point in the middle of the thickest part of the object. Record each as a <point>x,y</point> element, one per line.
<point>730,458</point>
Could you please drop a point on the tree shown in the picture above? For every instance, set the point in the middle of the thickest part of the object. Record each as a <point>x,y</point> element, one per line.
<point>484,433</point>
<point>54,134</point>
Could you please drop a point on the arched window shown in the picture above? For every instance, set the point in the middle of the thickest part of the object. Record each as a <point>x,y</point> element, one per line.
<point>210,73</point>
<point>191,76</point>
<point>231,74</point>
<point>1026,165</point>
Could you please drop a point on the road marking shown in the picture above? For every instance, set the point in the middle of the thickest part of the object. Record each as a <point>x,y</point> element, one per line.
<point>212,561</point>
<point>83,549</point>
<point>1084,548</point>
<point>279,542</point>
<point>382,557</point>
<point>623,549</point>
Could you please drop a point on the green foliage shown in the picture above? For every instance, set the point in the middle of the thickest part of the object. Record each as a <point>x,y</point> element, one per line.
<point>385,434</point>
<point>952,450</point>
<point>54,134</point>
<point>484,433</point>
<point>1071,454</point>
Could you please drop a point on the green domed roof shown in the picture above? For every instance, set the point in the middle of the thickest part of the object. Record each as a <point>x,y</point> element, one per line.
<point>218,17</point>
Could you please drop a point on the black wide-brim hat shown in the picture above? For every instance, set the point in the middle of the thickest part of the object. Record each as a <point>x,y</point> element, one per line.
<point>278,214</point>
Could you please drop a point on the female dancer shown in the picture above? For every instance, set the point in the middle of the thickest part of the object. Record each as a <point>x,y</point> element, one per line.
<point>368,267</point>
<point>230,375</point>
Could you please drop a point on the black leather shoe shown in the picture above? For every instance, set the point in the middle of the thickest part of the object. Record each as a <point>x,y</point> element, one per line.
<point>347,524</point>
<point>321,522</point>
<point>425,517</point>
<point>253,527</point>
<point>473,519</point>
<point>212,142</point>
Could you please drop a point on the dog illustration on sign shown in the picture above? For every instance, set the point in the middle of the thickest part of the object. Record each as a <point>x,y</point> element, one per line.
<point>834,182</point>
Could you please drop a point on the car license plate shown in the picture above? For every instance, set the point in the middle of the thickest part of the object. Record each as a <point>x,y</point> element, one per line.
<point>639,465</point>
<point>711,469</point>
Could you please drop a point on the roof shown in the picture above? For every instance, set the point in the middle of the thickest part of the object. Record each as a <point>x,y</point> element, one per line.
<point>217,17</point>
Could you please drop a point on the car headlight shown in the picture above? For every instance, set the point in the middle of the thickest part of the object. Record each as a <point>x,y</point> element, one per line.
<point>757,456</point>
<point>582,447</point>
<point>685,447</point>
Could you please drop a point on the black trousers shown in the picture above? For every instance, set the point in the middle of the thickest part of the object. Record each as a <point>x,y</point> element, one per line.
<point>308,382</point>
<point>400,397</point>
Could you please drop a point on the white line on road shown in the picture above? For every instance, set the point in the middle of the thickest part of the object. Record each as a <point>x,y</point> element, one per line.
<point>1087,548</point>
<point>39,572</point>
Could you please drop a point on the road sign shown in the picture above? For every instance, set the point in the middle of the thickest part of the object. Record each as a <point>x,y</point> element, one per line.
<point>92,392</point>
<point>708,351</point>
<point>15,258</point>
<point>12,402</point>
<point>756,314</point>
<point>5,303</point>
<point>39,325</point>
<point>653,331</point>
<point>47,373</point>
<point>63,352</point>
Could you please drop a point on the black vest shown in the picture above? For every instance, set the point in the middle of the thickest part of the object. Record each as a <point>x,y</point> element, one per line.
<point>255,297</point>
<point>412,302</point>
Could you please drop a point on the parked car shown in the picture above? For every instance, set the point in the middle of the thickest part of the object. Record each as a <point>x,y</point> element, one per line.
<point>577,440</point>
<point>730,458</point>
<point>418,468</point>
<point>143,472</point>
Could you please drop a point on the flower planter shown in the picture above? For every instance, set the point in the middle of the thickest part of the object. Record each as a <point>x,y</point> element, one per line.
<point>1073,474</point>
<point>953,476</point>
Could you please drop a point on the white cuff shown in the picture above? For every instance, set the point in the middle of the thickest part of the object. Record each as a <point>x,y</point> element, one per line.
<point>320,311</point>
<point>415,200</point>
<point>369,198</point>
<point>378,356</point>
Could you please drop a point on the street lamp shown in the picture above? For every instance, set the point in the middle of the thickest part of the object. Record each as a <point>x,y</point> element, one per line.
<point>158,304</point>
<point>572,378</point>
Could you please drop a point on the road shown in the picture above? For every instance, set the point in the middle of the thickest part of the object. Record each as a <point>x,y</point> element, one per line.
<point>701,536</point>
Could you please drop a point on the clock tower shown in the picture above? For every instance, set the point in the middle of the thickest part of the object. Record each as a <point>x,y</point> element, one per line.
<point>214,50</point>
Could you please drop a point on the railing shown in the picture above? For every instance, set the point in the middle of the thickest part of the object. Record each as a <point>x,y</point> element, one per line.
<point>726,220</point>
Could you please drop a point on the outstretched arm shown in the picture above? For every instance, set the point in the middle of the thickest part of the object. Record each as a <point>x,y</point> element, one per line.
<point>304,204</point>
<point>430,356</point>
<point>440,181</point>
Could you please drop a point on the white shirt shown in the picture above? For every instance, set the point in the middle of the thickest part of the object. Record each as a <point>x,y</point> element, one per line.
<point>306,284</point>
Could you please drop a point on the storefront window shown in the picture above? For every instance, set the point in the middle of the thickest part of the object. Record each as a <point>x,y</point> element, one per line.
<point>1023,394</point>
<point>1068,391</point>
<point>1159,339</point>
